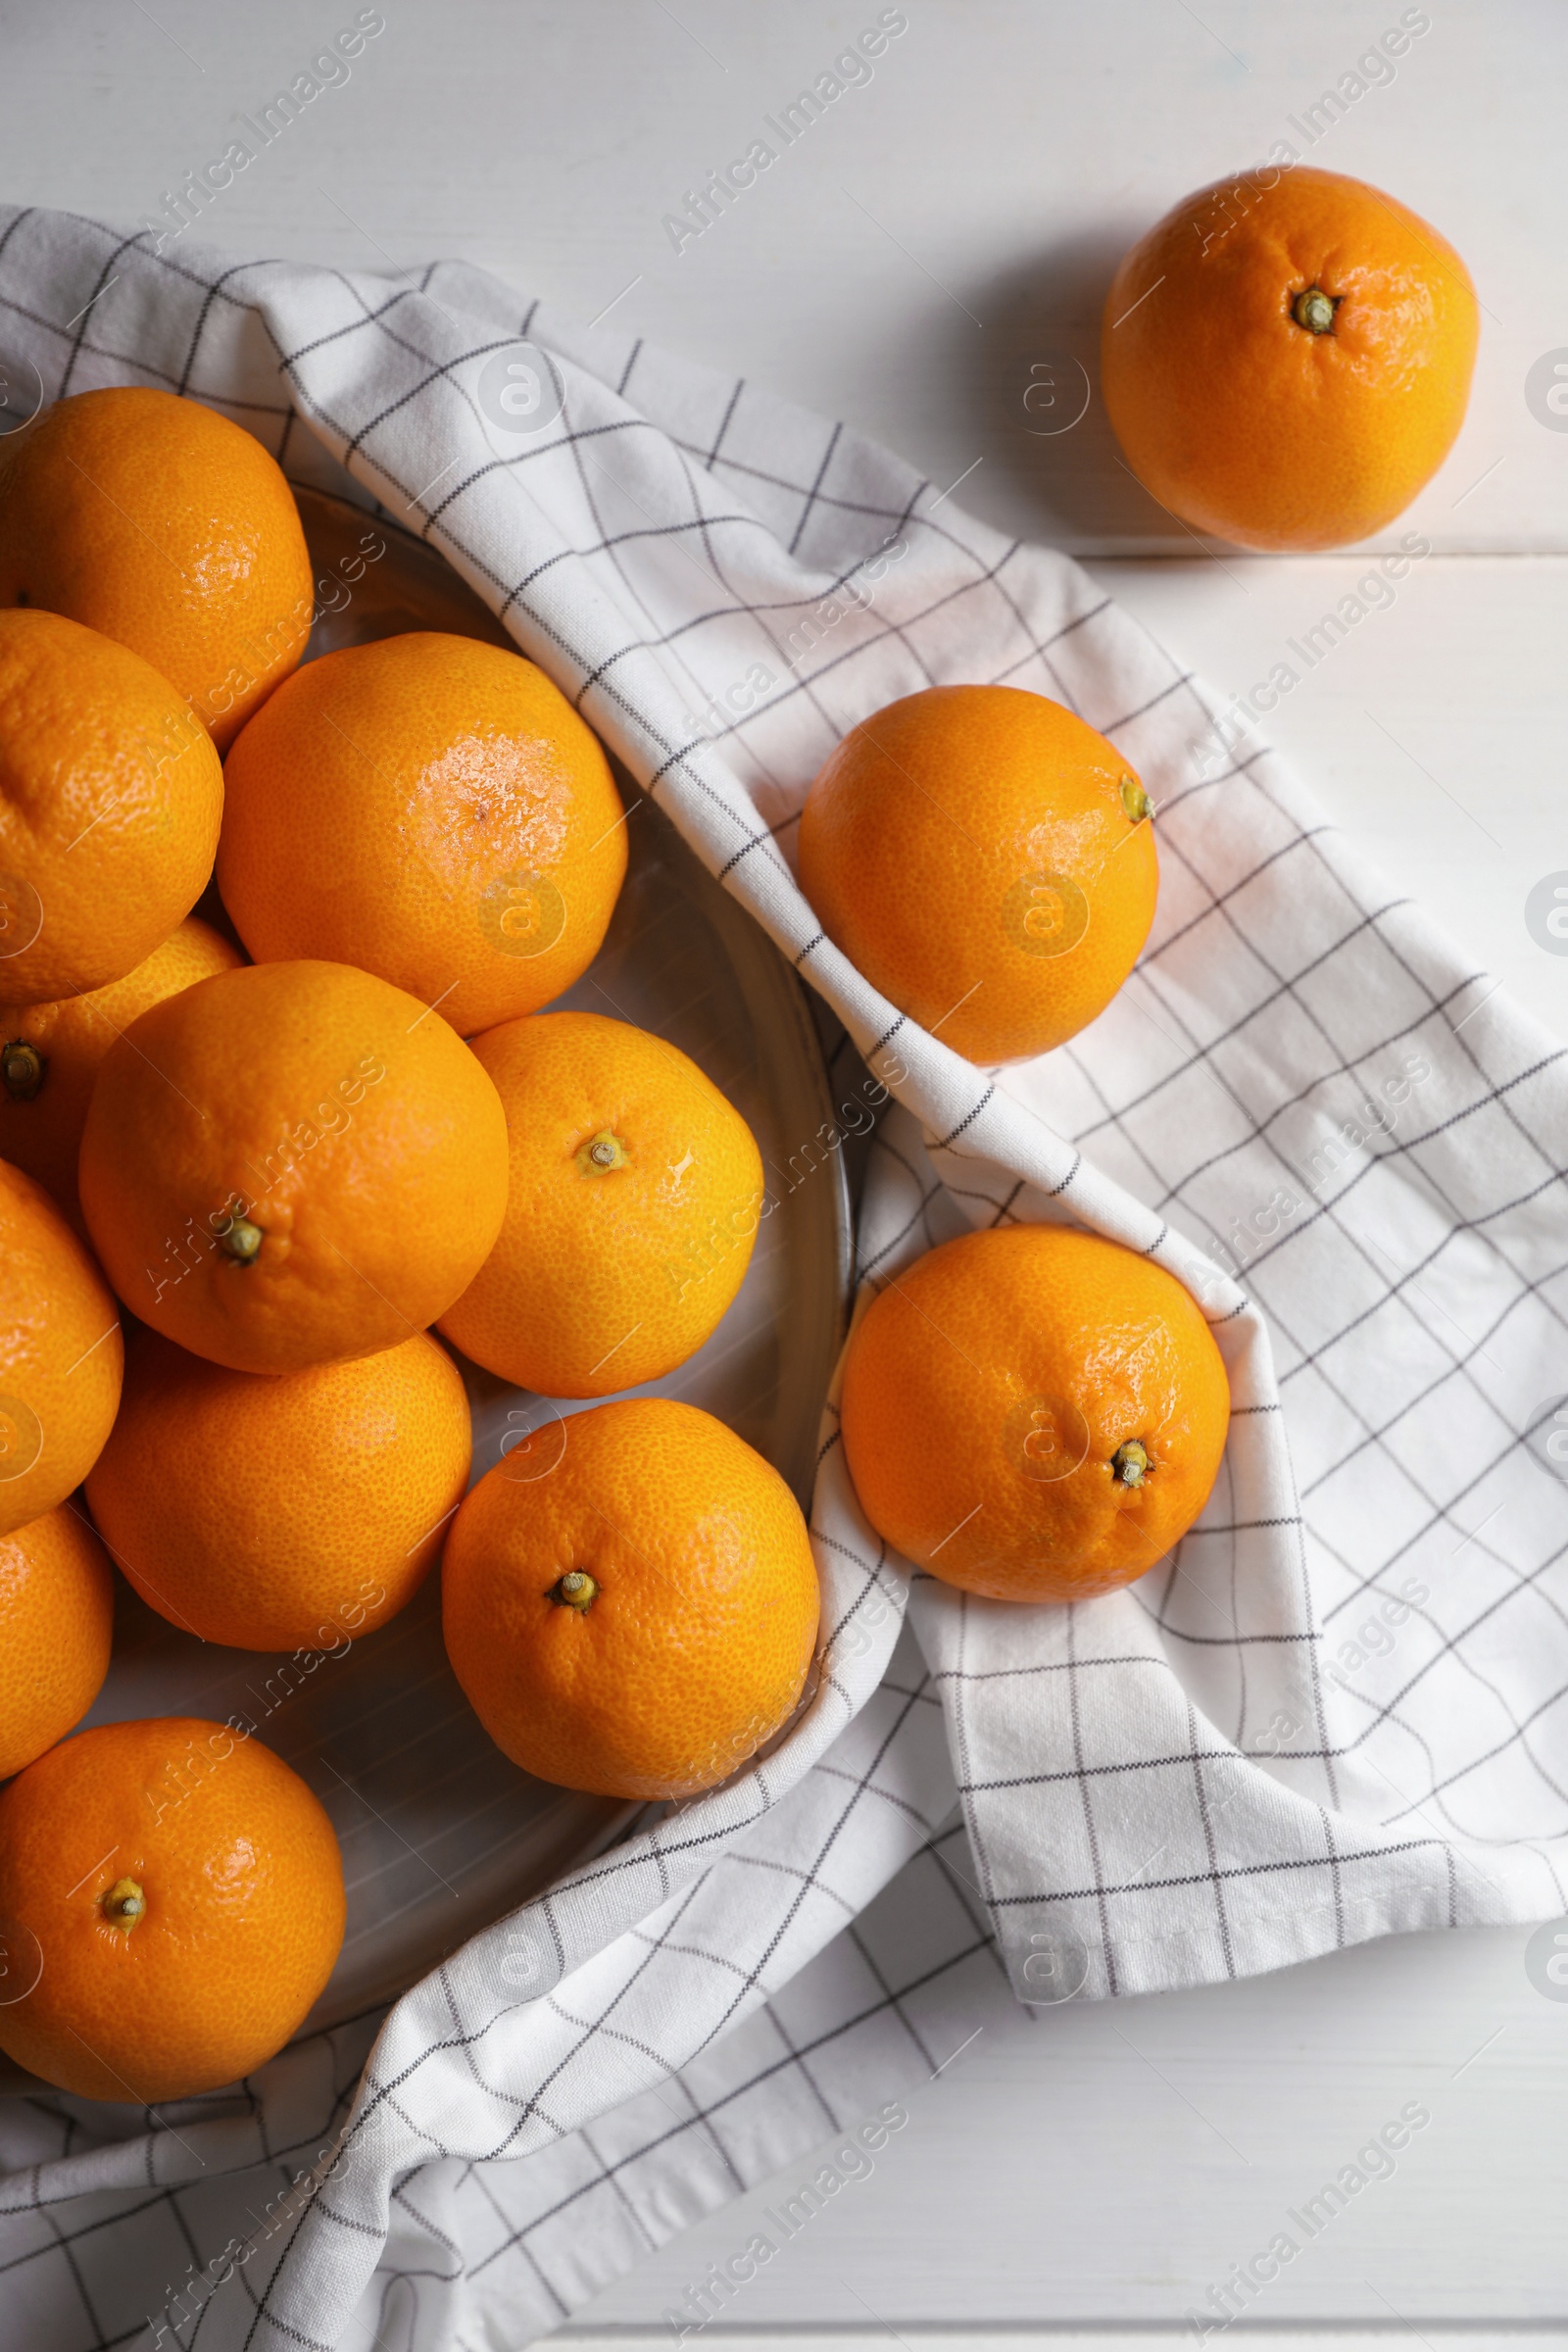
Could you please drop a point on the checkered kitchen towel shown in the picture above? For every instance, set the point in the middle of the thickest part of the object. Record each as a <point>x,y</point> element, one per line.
<point>1337,1711</point>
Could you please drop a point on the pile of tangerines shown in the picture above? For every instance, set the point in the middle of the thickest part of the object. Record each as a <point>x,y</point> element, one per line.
<point>253,1160</point>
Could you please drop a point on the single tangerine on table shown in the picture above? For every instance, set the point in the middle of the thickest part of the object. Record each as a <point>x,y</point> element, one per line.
<point>281,1510</point>
<point>635,1195</point>
<point>50,1055</point>
<point>291,1165</point>
<point>467,840</point>
<point>110,801</point>
<point>176,1894</point>
<point>1286,367</point>
<point>172,530</point>
<point>57,1606</point>
<point>632,1610</point>
<point>61,1355</point>
<point>988,863</point>
<point>1034,1413</point>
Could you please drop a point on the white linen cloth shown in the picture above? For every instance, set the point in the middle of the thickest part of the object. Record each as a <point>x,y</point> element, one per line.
<point>1337,1712</point>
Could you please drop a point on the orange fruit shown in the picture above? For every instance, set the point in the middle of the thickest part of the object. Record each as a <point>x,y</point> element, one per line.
<point>291,1164</point>
<point>1034,1413</point>
<point>60,1354</point>
<point>1286,367</point>
<point>986,860</point>
<point>50,1055</point>
<point>57,1606</point>
<point>168,528</point>
<point>110,801</point>
<point>635,1196</point>
<point>175,1894</point>
<point>465,837</point>
<point>633,1611</point>
<point>291,1511</point>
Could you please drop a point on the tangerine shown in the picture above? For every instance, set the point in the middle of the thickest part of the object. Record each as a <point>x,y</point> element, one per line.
<point>635,1196</point>
<point>632,1612</point>
<point>284,1511</point>
<point>1034,1413</point>
<point>291,1164</point>
<point>61,1355</point>
<point>178,1893</point>
<point>57,1606</point>
<point>170,529</point>
<point>110,801</point>
<point>465,837</point>
<point>1291,376</point>
<point>987,860</point>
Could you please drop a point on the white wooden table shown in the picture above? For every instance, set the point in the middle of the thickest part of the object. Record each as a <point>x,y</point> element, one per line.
<point>1079,2175</point>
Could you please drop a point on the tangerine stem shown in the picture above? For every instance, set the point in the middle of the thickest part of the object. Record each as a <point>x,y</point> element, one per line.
<point>1130,1464</point>
<point>602,1153</point>
<point>240,1240</point>
<point>575,1589</point>
<point>22,1069</point>
<point>122,1905</point>
<point>1315,309</point>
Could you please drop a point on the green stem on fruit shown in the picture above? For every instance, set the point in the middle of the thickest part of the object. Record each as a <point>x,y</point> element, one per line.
<point>602,1153</point>
<point>240,1240</point>
<point>1315,309</point>
<point>1135,800</point>
<point>22,1069</point>
<point>122,1905</point>
<point>1130,1464</point>
<point>575,1589</point>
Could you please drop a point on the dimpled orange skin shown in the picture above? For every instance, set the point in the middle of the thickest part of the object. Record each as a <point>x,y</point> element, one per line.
<point>41,1132</point>
<point>61,1355</point>
<point>1248,426</point>
<point>466,835</point>
<point>241,1885</point>
<point>328,1110</point>
<point>57,1606</point>
<point>692,1650</point>
<point>282,1511</point>
<point>602,1279</point>
<point>925,848</point>
<point>168,528</point>
<point>110,801</point>
<point>1001,1358</point>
